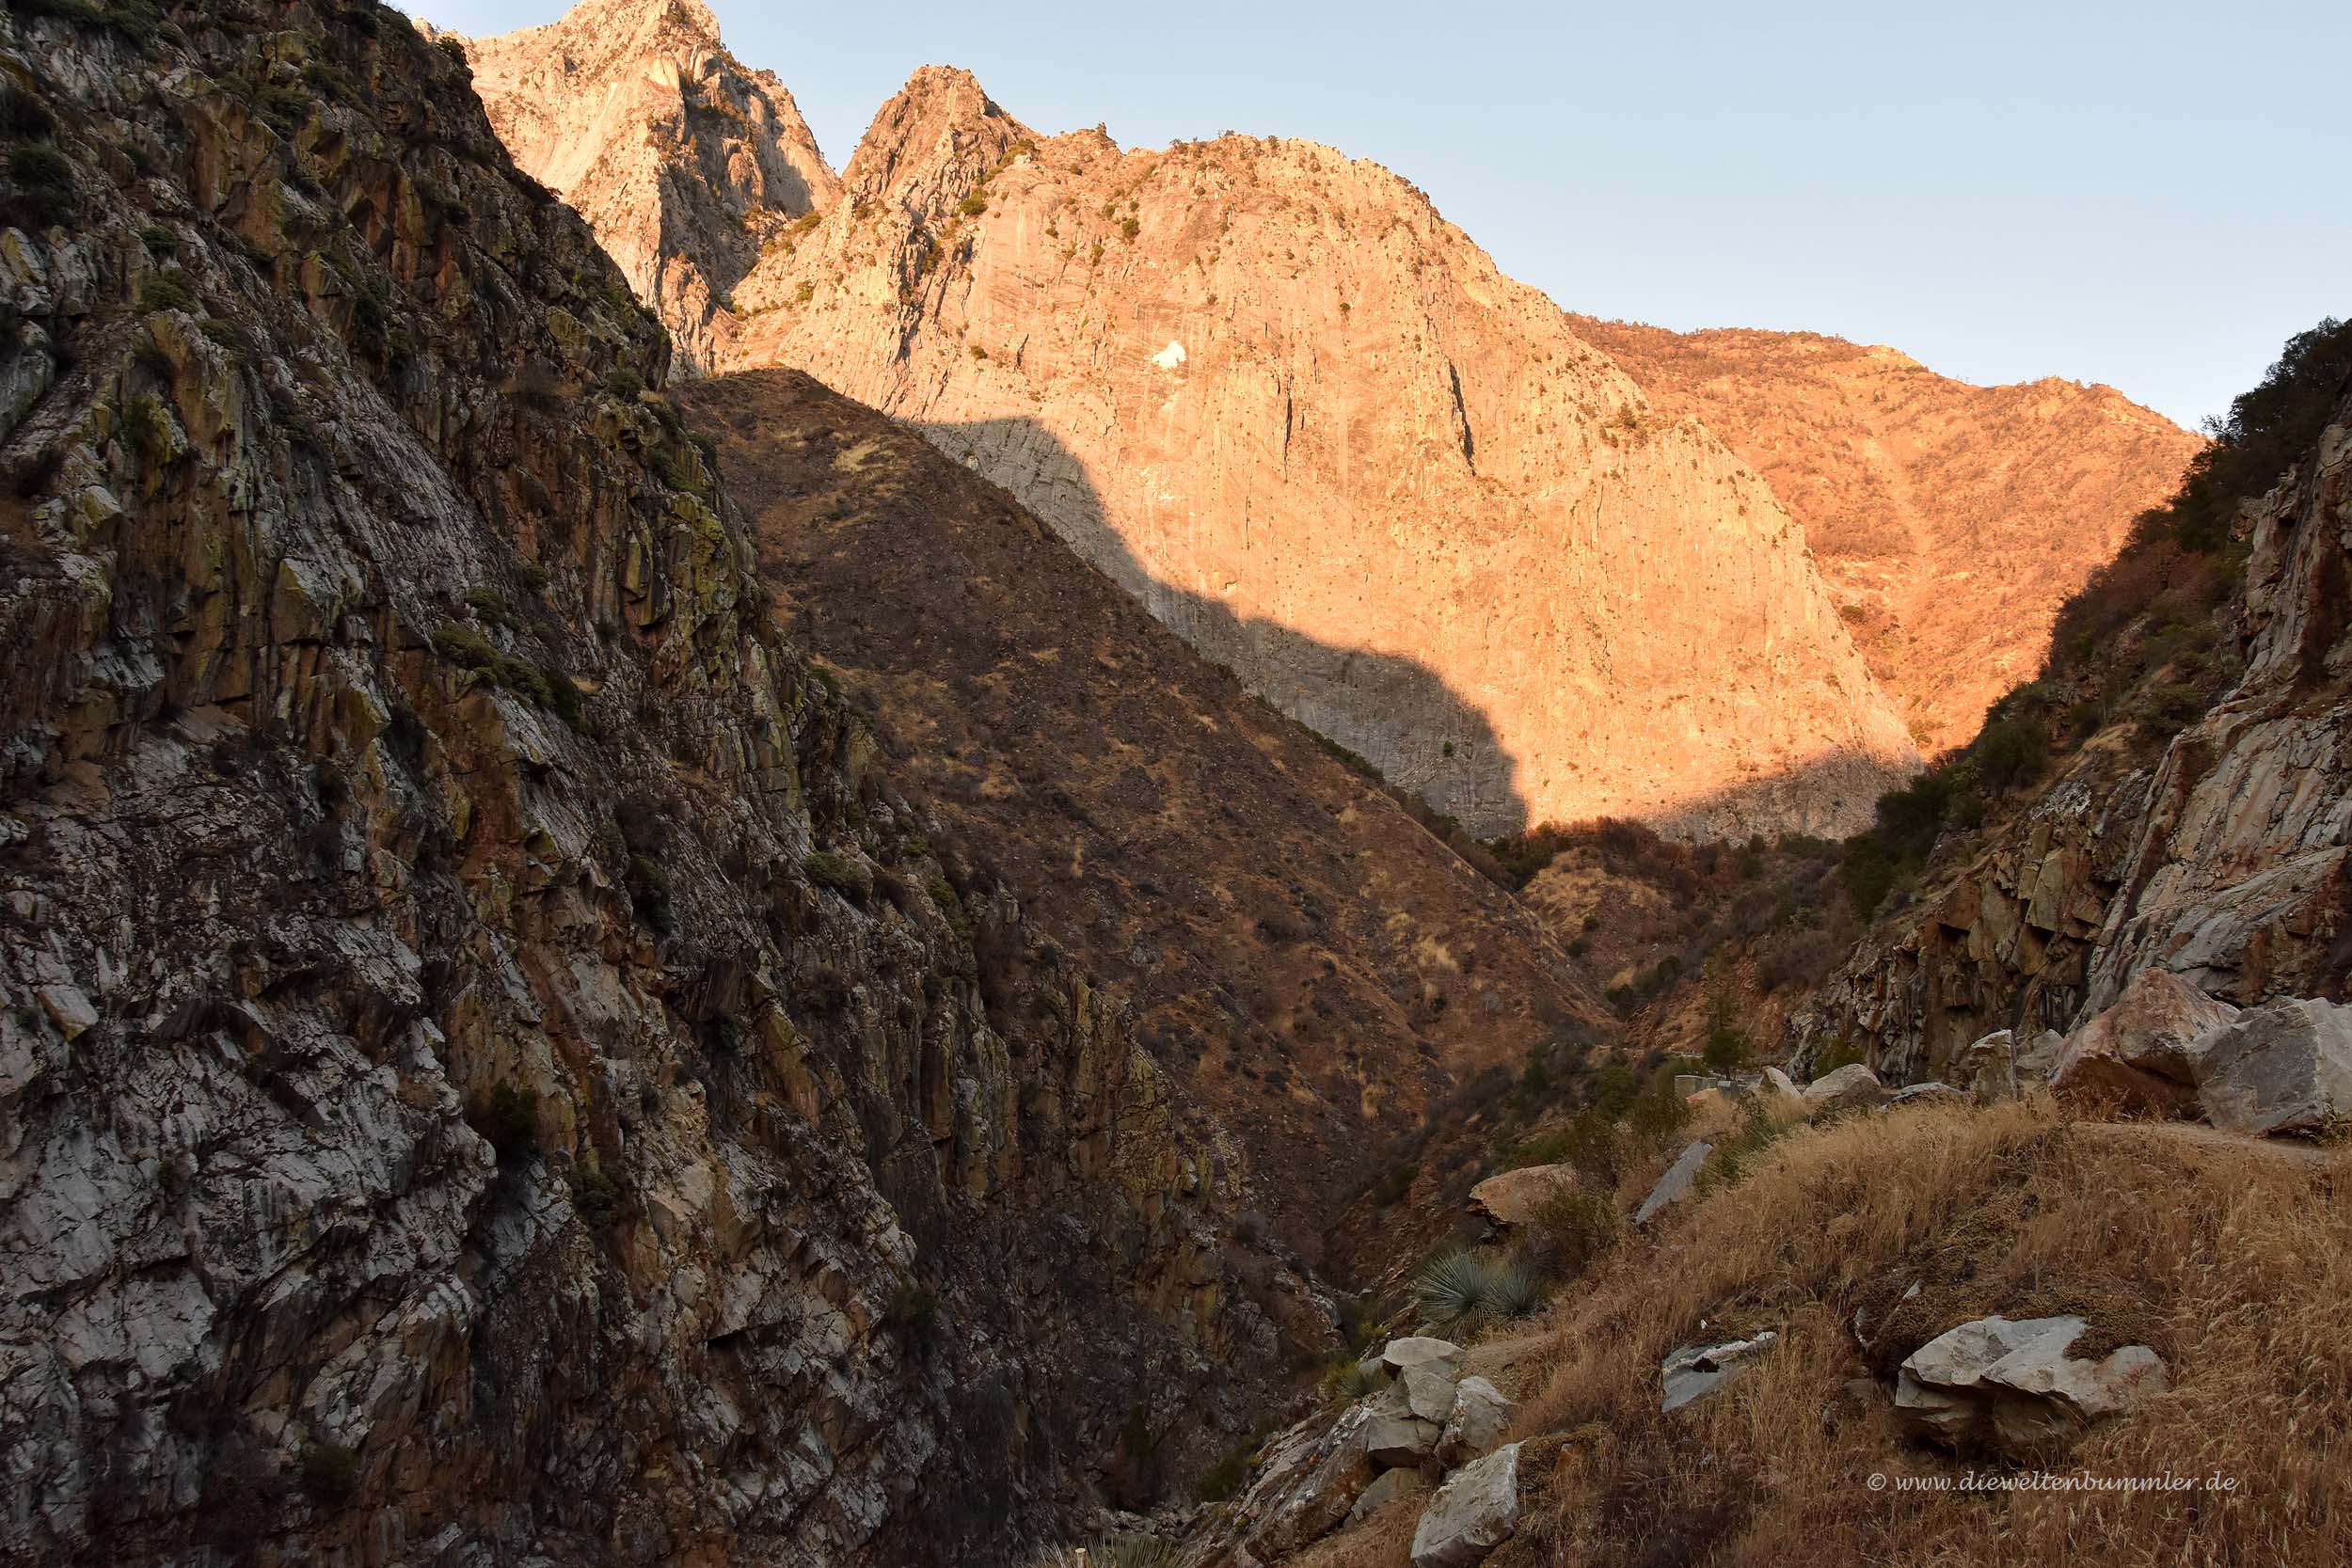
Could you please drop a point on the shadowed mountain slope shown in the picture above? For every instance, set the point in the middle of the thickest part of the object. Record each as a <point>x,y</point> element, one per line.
<point>1314,964</point>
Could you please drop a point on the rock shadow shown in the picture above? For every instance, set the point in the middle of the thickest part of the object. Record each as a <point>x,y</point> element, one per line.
<point>1393,712</point>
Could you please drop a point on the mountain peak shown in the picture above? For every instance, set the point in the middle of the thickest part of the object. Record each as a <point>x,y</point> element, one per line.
<point>679,156</point>
<point>937,134</point>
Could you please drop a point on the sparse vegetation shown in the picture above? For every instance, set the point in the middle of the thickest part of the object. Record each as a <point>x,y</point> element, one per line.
<point>847,877</point>
<point>549,687</point>
<point>330,1474</point>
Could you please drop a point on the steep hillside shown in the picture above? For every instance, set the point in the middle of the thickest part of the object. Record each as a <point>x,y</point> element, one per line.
<point>498,1061</point>
<point>683,160</point>
<point>1314,966</point>
<point>1269,391</point>
<point>1950,520</point>
<point>2194,815</point>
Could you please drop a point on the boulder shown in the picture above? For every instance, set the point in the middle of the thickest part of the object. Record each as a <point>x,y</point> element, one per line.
<point>2141,1053</point>
<point>1988,1068</point>
<point>1779,1082</point>
<point>1427,1393</point>
<point>1849,1086</point>
<point>1480,1417</point>
<point>1676,1184</point>
<point>1516,1196</point>
<point>2012,1385</point>
<point>1473,1512</point>
<point>1385,1488</point>
<point>2284,1068</point>
<point>1393,1441</point>
<point>1330,1478</point>
<point>1925,1094</point>
<point>1421,1350</point>
<point>1697,1371</point>
<point>2038,1057</point>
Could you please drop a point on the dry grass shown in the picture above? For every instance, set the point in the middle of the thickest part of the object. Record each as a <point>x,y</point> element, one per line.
<point>2237,1267</point>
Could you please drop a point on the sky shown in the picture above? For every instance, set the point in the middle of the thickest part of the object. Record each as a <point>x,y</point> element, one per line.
<point>2148,195</point>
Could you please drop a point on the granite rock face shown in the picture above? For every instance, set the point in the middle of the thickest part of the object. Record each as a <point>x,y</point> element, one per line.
<point>682,159</point>
<point>494,1066</point>
<point>1949,520</point>
<point>1270,391</point>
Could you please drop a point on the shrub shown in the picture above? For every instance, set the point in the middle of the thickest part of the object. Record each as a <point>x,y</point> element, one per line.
<point>913,1314</point>
<point>973,206</point>
<point>509,1118</point>
<point>843,874</point>
<point>24,117</point>
<point>595,1195</point>
<point>2009,751</point>
<point>1345,1379</point>
<point>543,683</point>
<point>1223,1479</point>
<point>1576,1227</point>
<point>330,1474</point>
<point>2267,430</point>
<point>147,428</point>
<point>43,182</point>
<point>1727,1046</point>
<point>168,290</point>
<point>624,383</point>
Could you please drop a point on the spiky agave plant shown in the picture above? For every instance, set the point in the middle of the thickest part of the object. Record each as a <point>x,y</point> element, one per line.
<point>1514,1288</point>
<point>1450,1285</point>
<point>1111,1551</point>
<point>1457,1285</point>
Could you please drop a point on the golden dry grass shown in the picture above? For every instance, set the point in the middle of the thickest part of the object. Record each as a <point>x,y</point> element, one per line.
<point>2235,1265</point>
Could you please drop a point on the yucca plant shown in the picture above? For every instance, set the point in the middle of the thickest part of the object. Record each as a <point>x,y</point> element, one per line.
<point>1514,1288</point>
<point>1457,1285</point>
<point>1111,1551</point>
<point>1450,1286</point>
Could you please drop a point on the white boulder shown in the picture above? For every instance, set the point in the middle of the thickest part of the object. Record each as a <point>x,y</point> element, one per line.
<point>2012,1384</point>
<point>1676,1185</point>
<point>1849,1086</point>
<point>1480,1417</point>
<point>1696,1370</point>
<point>1473,1512</point>
<point>2284,1068</point>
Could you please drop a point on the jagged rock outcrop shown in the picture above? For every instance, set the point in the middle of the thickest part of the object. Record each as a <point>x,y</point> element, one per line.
<point>2223,858</point>
<point>1268,390</point>
<point>2012,1385</point>
<point>493,1068</point>
<point>1950,520</point>
<point>1312,967</point>
<point>684,161</point>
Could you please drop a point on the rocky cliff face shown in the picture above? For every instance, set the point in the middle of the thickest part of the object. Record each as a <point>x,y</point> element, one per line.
<point>494,1066</point>
<point>683,160</point>
<point>1495,737</point>
<point>1268,390</point>
<point>2219,856</point>
<point>1950,520</point>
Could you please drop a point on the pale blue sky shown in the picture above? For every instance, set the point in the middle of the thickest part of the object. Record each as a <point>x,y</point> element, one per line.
<point>2150,195</point>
